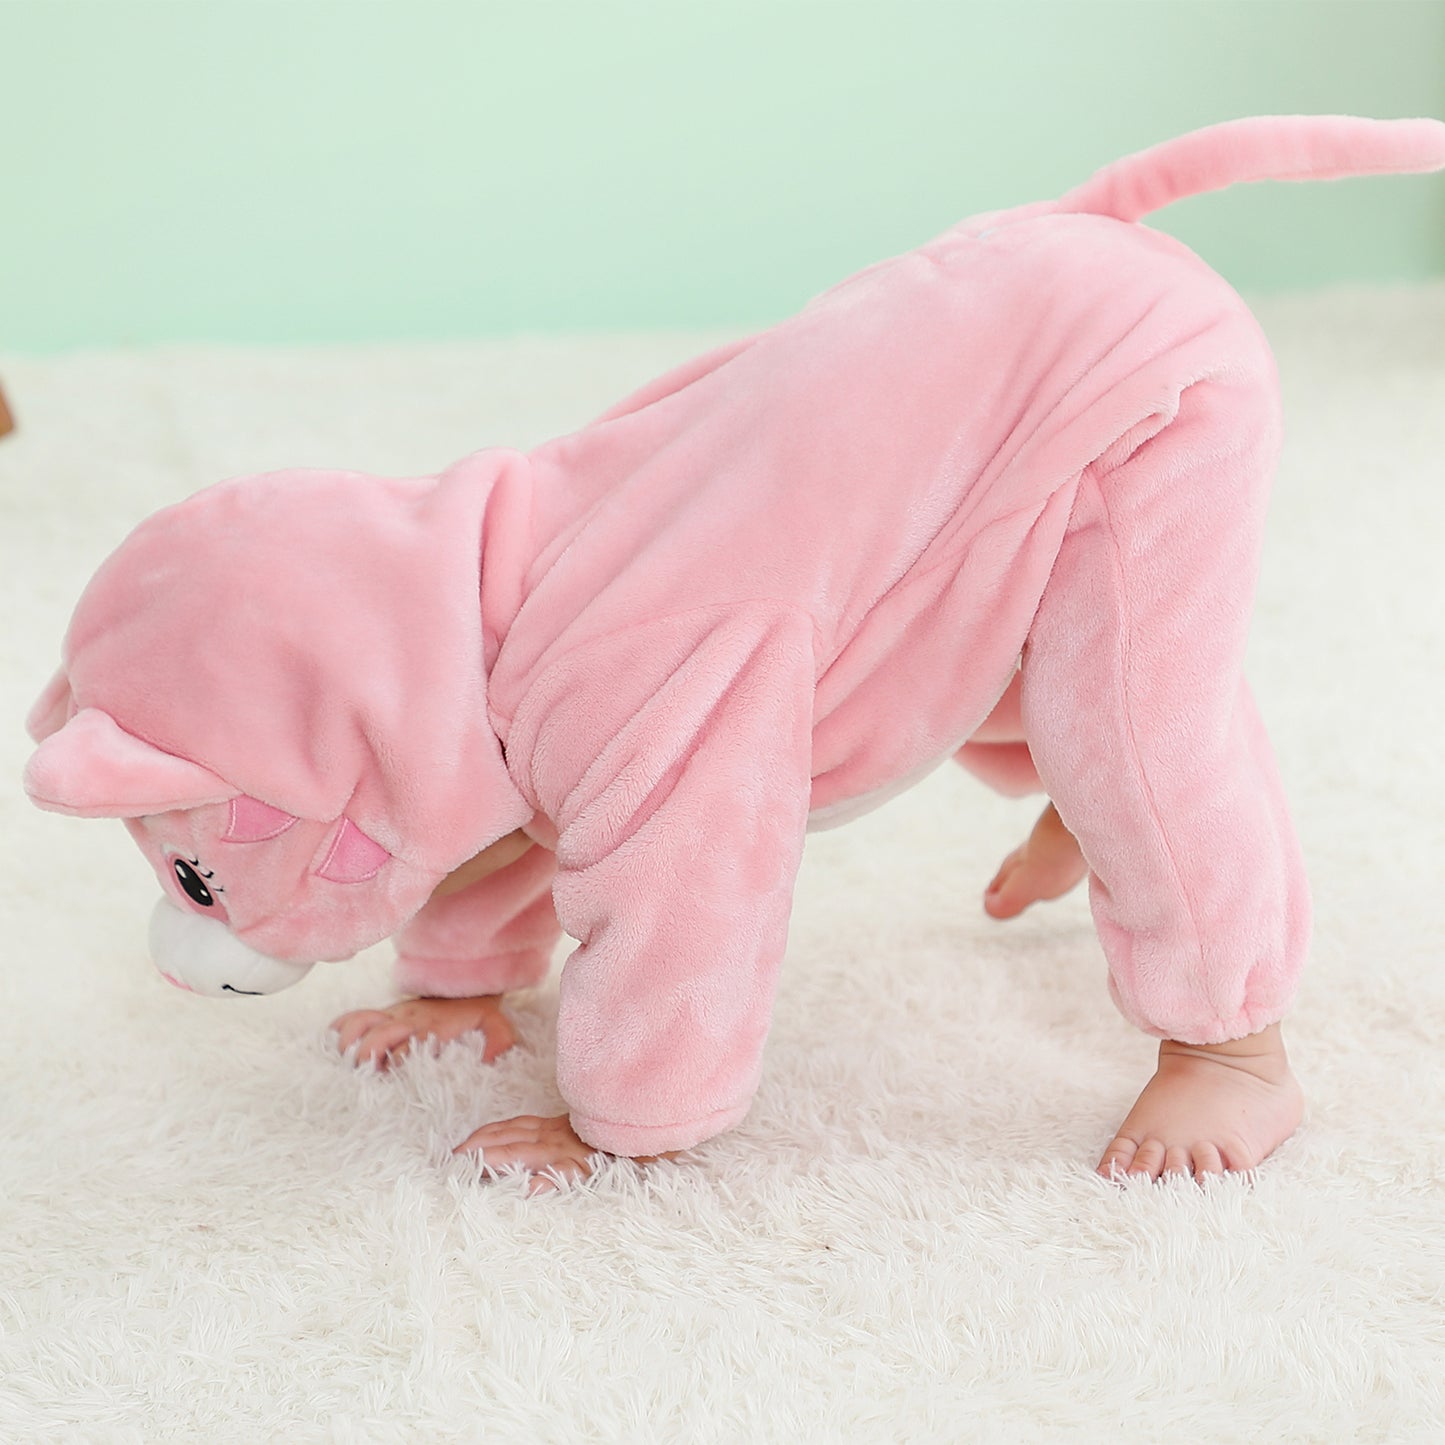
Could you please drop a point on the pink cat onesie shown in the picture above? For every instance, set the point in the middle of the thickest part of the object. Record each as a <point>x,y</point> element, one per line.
<point>1000,497</point>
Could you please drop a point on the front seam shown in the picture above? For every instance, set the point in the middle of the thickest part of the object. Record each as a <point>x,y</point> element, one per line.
<point>1125,659</point>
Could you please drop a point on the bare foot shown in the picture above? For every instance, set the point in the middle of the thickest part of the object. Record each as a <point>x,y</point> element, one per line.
<point>1048,865</point>
<point>547,1148</point>
<point>385,1034</point>
<point>1209,1108</point>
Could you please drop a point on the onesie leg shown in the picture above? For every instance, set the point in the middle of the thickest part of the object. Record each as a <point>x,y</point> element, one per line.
<point>997,753</point>
<point>1145,734</point>
<point>495,936</point>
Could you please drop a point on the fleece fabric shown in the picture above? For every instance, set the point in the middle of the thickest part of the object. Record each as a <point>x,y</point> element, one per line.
<point>1009,486</point>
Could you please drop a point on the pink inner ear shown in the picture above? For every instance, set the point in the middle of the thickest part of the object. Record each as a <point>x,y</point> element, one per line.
<point>353,857</point>
<point>253,821</point>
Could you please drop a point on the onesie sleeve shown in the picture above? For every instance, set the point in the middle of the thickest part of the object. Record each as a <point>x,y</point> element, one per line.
<point>675,760</point>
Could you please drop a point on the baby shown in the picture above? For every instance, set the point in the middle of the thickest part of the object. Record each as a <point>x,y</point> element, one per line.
<point>999,498</point>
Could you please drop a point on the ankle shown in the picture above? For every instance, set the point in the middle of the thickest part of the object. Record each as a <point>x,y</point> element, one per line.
<point>1262,1053</point>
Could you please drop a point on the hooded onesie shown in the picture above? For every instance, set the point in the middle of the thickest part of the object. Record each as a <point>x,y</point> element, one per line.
<point>999,498</point>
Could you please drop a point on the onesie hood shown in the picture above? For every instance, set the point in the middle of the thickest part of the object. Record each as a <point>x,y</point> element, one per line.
<point>282,682</point>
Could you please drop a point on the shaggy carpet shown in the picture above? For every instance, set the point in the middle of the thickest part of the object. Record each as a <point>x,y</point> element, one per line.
<point>213,1229</point>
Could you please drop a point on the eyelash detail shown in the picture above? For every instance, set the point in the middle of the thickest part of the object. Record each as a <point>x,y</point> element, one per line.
<point>196,863</point>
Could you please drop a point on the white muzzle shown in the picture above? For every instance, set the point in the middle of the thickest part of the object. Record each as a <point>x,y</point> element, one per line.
<point>204,956</point>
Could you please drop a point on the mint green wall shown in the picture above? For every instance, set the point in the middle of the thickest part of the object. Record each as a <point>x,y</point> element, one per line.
<point>311,170</point>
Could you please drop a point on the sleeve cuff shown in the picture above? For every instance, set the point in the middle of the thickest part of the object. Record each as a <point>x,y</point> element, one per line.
<point>639,1140</point>
<point>1202,1025</point>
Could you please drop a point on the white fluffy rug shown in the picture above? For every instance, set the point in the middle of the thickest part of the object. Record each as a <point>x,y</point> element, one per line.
<point>212,1229</point>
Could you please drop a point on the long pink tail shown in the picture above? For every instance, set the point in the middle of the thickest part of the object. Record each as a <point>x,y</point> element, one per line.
<point>1259,148</point>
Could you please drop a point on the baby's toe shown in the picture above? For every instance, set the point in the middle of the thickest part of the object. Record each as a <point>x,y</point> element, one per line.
<point>1008,895</point>
<point>1148,1161</point>
<point>1178,1160</point>
<point>498,1034</point>
<point>383,1046</point>
<point>1207,1160</point>
<point>350,1027</point>
<point>1239,1157</point>
<point>1117,1157</point>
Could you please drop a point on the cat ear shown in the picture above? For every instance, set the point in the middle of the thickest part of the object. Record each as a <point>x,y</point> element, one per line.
<point>93,768</point>
<point>353,857</point>
<point>51,710</point>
